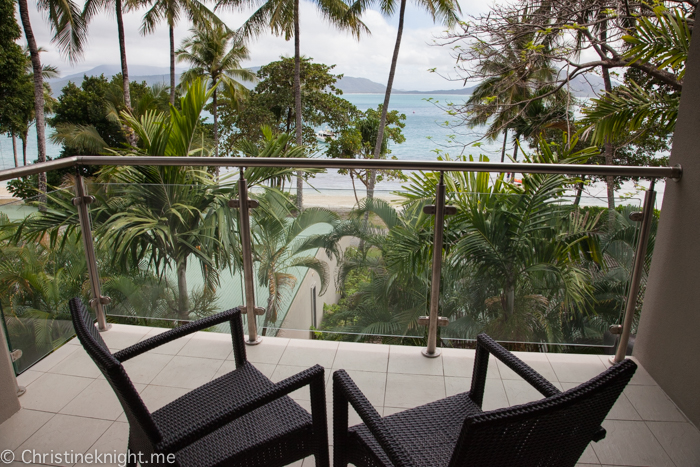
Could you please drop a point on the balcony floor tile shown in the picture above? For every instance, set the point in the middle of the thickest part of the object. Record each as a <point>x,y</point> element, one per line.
<point>270,351</point>
<point>172,347</point>
<point>520,392</point>
<point>622,410</point>
<point>372,384</point>
<point>187,372</point>
<point>121,336</point>
<point>652,403</point>
<point>680,440</point>
<point>55,357</point>
<point>143,368</point>
<point>114,440</point>
<point>78,363</point>
<point>364,357</point>
<point>18,428</point>
<point>460,362</point>
<point>630,443</point>
<point>69,404</point>
<point>402,359</point>
<point>299,354</point>
<point>423,389</point>
<point>64,433</point>
<point>96,401</point>
<point>52,392</point>
<point>217,346</point>
<point>573,368</point>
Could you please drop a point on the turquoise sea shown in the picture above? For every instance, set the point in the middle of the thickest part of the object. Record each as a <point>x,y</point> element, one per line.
<point>425,128</point>
<point>428,130</point>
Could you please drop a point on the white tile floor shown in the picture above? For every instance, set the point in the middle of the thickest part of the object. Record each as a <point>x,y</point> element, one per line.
<point>69,406</point>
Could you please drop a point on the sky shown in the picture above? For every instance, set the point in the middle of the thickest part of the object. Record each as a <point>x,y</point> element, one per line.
<point>369,58</point>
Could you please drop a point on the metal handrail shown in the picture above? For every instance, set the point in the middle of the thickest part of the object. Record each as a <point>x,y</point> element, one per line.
<point>674,173</point>
<point>378,164</point>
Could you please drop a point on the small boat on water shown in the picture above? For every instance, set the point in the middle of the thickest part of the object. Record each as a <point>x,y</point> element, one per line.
<point>325,134</point>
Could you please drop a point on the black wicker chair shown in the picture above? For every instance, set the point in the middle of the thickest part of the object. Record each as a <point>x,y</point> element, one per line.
<point>240,419</point>
<point>455,432</point>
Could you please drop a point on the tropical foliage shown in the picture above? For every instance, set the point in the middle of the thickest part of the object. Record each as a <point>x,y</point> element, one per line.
<point>521,262</point>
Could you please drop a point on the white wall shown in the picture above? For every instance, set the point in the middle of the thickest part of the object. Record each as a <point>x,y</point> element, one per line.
<point>668,339</point>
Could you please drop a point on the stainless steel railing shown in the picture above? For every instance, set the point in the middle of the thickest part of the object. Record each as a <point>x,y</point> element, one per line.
<point>244,205</point>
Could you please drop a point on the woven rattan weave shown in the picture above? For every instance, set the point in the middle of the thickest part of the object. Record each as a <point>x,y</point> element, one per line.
<point>552,432</point>
<point>239,419</point>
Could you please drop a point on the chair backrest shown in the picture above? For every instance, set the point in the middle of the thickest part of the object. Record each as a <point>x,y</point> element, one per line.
<point>550,432</point>
<point>140,421</point>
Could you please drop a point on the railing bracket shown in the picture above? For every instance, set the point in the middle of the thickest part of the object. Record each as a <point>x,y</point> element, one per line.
<point>425,321</point>
<point>87,199</point>
<point>103,301</point>
<point>16,354</point>
<point>615,329</point>
<point>236,204</point>
<point>636,216</point>
<point>259,311</point>
<point>449,210</point>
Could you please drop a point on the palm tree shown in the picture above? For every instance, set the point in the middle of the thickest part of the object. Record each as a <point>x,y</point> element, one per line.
<point>159,217</point>
<point>444,11</point>
<point>87,138</point>
<point>282,18</point>
<point>274,145</point>
<point>70,35</point>
<point>38,281</point>
<point>47,72</point>
<point>91,8</point>
<point>281,244</point>
<point>216,52</point>
<point>171,11</point>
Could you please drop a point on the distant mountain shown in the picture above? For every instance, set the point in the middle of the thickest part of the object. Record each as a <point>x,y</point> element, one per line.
<point>581,86</point>
<point>150,74</point>
<point>350,85</point>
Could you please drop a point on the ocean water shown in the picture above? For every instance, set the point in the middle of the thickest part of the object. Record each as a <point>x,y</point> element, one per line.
<point>429,131</point>
<point>425,129</point>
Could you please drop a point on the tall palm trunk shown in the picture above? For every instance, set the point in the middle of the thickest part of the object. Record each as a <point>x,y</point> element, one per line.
<point>14,149</point>
<point>131,137</point>
<point>387,96</point>
<point>503,149</point>
<point>515,155</point>
<point>216,122</point>
<point>183,306</point>
<point>579,192</point>
<point>608,149</point>
<point>297,101</point>
<point>509,299</point>
<point>171,28</point>
<point>24,137</point>
<point>609,152</point>
<point>38,90</point>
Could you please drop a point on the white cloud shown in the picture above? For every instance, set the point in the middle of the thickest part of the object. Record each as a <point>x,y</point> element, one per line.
<point>370,58</point>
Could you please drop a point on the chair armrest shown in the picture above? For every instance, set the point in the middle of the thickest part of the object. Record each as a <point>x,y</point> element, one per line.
<point>485,346</point>
<point>168,336</point>
<point>346,391</point>
<point>192,433</point>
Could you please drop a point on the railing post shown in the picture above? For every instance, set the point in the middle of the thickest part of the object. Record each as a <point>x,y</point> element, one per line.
<point>81,201</point>
<point>243,205</point>
<point>433,320</point>
<point>637,270</point>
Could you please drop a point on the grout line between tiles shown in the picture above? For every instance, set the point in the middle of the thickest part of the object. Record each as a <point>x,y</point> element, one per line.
<point>161,370</point>
<point>646,423</point>
<point>38,428</point>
